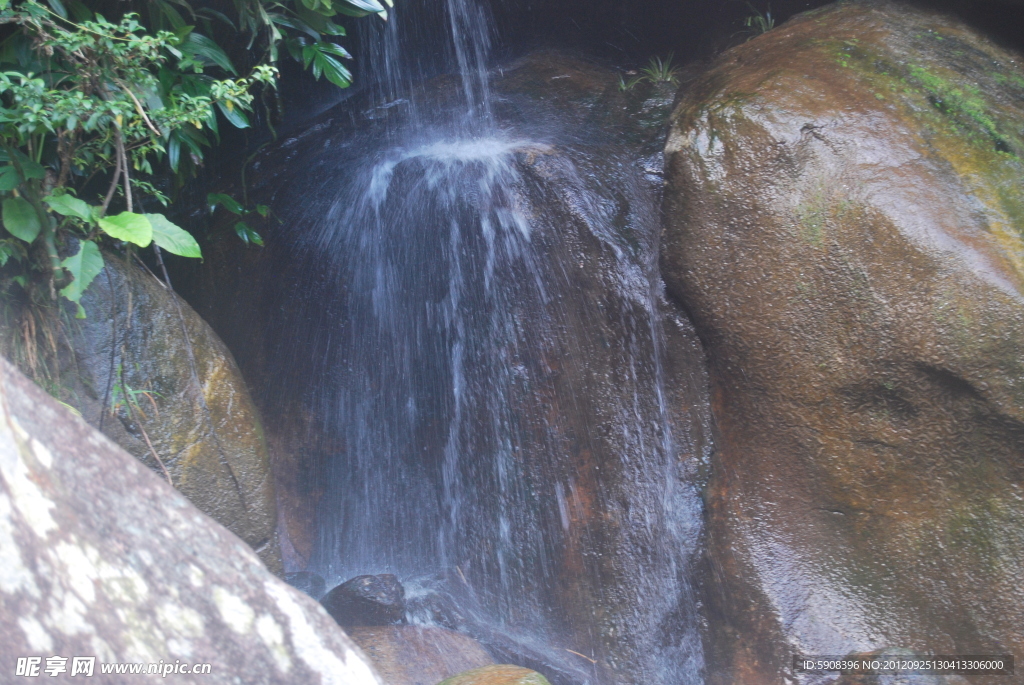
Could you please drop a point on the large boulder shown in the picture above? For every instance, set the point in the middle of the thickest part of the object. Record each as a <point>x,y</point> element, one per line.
<point>845,211</point>
<point>136,375</point>
<point>100,557</point>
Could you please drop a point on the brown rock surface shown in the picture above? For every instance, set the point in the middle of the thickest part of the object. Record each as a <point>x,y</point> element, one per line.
<point>189,398</point>
<point>845,213</point>
<point>411,655</point>
<point>589,561</point>
<point>500,674</point>
<point>99,557</point>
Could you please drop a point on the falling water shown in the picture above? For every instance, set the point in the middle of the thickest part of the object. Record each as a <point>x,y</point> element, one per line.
<point>492,381</point>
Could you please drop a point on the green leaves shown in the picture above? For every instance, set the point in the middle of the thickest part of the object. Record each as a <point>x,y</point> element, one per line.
<point>172,238</point>
<point>226,201</point>
<point>68,205</point>
<point>80,92</point>
<point>129,227</point>
<point>83,266</point>
<point>9,178</point>
<point>9,175</point>
<point>12,248</point>
<point>20,219</point>
<point>235,116</point>
<point>242,229</point>
<point>322,56</point>
<point>247,234</point>
<point>360,8</point>
<point>143,229</point>
<point>201,48</point>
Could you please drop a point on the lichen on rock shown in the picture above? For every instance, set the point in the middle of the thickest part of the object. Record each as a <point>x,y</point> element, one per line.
<point>99,557</point>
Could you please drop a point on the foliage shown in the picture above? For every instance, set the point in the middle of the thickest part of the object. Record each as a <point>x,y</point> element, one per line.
<point>242,229</point>
<point>661,71</point>
<point>124,396</point>
<point>97,114</point>
<point>658,70</point>
<point>759,22</point>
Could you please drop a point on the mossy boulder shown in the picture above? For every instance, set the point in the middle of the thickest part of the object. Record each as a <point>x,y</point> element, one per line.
<point>132,372</point>
<point>845,222</point>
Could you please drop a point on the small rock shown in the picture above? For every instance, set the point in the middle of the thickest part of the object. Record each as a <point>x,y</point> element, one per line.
<point>412,655</point>
<point>367,601</point>
<point>501,674</point>
<point>310,583</point>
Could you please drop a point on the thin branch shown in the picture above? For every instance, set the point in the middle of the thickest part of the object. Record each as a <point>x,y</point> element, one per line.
<point>163,269</point>
<point>124,170</point>
<point>113,346</point>
<point>113,182</point>
<point>138,107</point>
<point>148,270</point>
<point>138,422</point>
<point>65,144</point>
<point>593,661</point>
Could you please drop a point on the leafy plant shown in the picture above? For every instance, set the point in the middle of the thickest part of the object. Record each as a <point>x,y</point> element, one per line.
<point>630,83</point>
<point>658,70</point>
<point>242,229</point>
<point>92,109</point>
<point>124,396</point>
<point>759,22</point>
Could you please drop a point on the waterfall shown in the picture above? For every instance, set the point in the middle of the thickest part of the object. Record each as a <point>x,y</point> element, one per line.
<point>490,385</point>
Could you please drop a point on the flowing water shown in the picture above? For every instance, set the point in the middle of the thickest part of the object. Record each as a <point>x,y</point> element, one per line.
<point>492,381</point>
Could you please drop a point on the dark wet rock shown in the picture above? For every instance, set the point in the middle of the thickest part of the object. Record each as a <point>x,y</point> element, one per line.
<point>367,601</point>
<point>428,607</point>
<point>500,674</point>
<point>591,558</point>
<point>186,397</point>
<point>310,583</point>
<point>845,211</point>
<point>100,557</point>
<point>413,655</point>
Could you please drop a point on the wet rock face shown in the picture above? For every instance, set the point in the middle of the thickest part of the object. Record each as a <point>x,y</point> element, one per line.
<point>310,583</point>
<point>367,601</point>
<point>187,397</point>
<point>99,557</point>
<point>527,448</point>
<point>412,655</point>
<point>844,221</point>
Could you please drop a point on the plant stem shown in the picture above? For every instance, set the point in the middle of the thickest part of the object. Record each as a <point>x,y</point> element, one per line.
<point>124,170</point>
<point>131,411</point>
<point>113,183</point>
